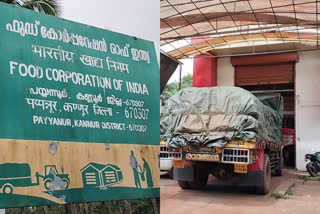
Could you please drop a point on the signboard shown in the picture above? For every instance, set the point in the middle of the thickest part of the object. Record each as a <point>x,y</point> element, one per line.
<point>79,112</point>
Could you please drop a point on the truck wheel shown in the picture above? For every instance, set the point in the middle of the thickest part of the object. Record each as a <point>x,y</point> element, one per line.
<point>278,168</point>
<point>184,184</point>
<point>200,178</point>
<point>7,188</point>
<point>278,171</point>
<point>47,183</point>
<point>266,180</point>
<point>170,174</point>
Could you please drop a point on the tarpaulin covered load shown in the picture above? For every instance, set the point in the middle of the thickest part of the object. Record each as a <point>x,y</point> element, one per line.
<point>213,116</point>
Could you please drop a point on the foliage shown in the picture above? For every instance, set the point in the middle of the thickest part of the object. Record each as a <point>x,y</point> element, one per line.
<point>55,209</point>
<point>138,206</point>
<point>289,190</point>
<point>50,7</point>
<point>280,196</point>
<point>286,194</point>
<point>170,90</point>
<point>142,206</point>
<point>173,87</point>
<point>304,178</point>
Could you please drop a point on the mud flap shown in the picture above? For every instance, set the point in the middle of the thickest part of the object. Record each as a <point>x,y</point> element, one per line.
<point>252,178</point>
<point>183,174</point>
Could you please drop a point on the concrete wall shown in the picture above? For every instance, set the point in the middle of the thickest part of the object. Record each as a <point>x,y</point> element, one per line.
<point>307,101</point>
<point>225,72</point>
<point>307,105</point>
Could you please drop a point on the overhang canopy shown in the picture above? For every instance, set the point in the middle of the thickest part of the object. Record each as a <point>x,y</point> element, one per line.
<point>193,27</point>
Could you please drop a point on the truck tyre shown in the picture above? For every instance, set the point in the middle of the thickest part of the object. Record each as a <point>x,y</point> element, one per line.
<point>278,171</point>
<point>184,184</point>
<point>266,178</point>
<point>7,188</point>
<point>278,168</point>
<point>200,178</point>
<point>170,174</point>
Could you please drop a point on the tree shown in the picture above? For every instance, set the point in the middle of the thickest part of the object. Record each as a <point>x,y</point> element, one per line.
<point>173,87</point>
<point>186,81</point>
<point>50,7</point>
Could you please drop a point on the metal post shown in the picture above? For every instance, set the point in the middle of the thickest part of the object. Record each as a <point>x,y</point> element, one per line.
<point>180,74</point>
<point>156,205</point>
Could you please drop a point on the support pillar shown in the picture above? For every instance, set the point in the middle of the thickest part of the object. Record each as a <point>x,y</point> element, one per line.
<point>204,69</point>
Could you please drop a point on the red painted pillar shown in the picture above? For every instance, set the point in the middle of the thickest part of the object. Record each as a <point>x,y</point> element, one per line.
<point>204,69</point>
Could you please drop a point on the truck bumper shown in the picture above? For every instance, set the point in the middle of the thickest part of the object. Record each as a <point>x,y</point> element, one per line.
<point>252,178</point>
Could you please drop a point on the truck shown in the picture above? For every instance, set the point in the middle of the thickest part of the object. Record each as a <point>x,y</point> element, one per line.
<point>19,175</point>
<point>227,132</point>
<point>167,156</point>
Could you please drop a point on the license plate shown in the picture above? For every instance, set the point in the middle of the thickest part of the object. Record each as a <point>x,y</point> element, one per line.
<point>240,145</point>
<point>241,168</point>
<point>178,164</point>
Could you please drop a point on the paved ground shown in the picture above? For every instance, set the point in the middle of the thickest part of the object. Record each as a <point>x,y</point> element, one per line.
<point>226,200</point>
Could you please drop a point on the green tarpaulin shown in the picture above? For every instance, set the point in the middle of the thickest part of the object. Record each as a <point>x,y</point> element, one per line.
<point>213,116</point>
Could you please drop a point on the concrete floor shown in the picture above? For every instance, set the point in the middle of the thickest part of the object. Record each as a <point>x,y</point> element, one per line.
<point>231,200</point>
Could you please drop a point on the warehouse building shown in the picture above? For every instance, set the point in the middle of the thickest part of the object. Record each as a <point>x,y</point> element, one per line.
<point>99,175</point>
<point>262,46</point>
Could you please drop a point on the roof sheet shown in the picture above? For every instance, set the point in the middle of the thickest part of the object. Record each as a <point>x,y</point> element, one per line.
<point>193,27</point>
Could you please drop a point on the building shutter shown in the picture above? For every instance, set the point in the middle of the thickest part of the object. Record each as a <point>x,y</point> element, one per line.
<point>264,69</point>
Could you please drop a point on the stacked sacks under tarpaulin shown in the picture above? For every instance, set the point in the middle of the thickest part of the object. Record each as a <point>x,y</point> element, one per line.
<point>213,116</point>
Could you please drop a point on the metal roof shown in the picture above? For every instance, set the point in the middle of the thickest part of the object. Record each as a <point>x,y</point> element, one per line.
<point>193,27</point>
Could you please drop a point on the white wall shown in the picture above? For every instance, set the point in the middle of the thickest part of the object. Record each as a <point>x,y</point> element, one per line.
<point>307,105</point>
<point>307,102</point>
<point>225,72</point>
<point>137,18</point>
